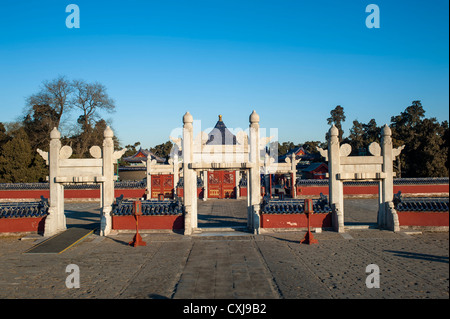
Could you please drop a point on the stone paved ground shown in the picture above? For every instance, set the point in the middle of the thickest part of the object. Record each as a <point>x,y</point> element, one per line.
<point>231,265</point>
<point>222,213</point>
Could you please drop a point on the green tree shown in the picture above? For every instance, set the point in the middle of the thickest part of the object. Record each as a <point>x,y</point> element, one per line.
<point>285,147</point>
<point>336,118</point>
<point>372,132</point>
<point>38,123</point>
<point>425,154</point>
<point>356,137</point>
<point>81,143</point>
<point>361,135</point>
<point>311,146</point>
<point>162,150</point>
<point>3,136</point>
<point>19,163</point>
<point>445,145</point>
<point>430,153</point>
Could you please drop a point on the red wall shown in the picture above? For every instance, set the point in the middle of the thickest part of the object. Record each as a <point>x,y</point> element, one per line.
<point>423,218</point>
<point>199,192</point>
<point>373,189</point>
<point>312,190</point>
<point>36,224</point>
<point>295,220</point>
<point>15,225</point>
<point>424,189</point>
<point>148,222</point>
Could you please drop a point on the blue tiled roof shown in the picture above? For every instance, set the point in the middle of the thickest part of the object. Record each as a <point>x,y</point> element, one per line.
<point>313,166</point>
<point>220,135</point>
<point>24,209</point>
<point>295,206</point>
<point>299,182</point>
<point>420,204</point>
<point>149,207</point>
<point>28,186</point>
<point>397,181</point>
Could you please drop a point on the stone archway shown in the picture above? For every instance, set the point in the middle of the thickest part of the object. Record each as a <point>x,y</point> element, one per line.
<point>198,156</point>
<point>378,167</point>
<point>65,170</point>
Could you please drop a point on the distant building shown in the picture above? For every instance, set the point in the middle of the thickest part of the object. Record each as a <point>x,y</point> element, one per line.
<point>300,153</point>
<point>315,171</point>
<point>136,170</point>
<point>140,156</point>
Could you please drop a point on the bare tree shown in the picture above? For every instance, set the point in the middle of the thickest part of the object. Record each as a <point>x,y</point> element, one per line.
<point>54,94</point>
<point>90,98</point>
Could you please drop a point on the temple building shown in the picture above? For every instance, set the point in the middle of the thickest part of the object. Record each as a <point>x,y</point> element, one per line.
<point>136,168</point>
<point>315,171</point>
<point>221,135</point>
<point>221,183</point>
<point>141,156</point>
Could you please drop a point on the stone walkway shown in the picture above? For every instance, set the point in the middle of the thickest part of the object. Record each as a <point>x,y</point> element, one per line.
<point>232,265</point>
<point>222,213</point>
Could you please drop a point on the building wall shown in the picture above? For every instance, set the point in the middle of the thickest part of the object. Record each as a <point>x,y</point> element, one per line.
<point>313,189</point>
<point>134,175</point>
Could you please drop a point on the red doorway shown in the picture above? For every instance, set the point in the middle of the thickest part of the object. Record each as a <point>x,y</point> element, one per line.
<point>222,184</point>
<point>162,184</point>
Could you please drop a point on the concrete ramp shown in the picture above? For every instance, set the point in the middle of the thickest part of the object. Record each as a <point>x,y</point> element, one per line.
<point>61,242</point>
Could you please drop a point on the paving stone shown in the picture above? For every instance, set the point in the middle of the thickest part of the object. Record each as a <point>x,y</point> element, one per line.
<point>271,265</point>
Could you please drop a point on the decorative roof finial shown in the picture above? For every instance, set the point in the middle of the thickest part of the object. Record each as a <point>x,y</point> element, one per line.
<point>54,134</point>
<point>220,118</point>
<point>108,132</point>
<point>187,118</point>
<point>254,117</point>
<point>386,130</point>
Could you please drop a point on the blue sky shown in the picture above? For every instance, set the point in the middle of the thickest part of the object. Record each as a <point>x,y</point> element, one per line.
<point>291,61</point>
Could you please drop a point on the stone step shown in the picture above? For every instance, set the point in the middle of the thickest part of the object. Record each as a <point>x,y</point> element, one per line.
<point>222,231</point>
<point>360,227</point>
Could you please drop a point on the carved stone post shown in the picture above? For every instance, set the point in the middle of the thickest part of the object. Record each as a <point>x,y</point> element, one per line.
<point>254,178</point>
<point>335,185</point>
<point>205,185</point>
<point>294,162</point>
<point>190,179</point>
<point>389,216</point>
<point>236,182</point>
<point>148,169</point>
<point>175,173</point>
<point>55,220</point>
<point>108,183</point>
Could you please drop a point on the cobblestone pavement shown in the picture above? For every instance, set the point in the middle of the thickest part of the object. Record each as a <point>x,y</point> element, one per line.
<point>232,265</point>
<point>222,213</point>
<point>360,211</point>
